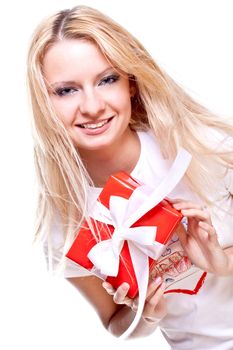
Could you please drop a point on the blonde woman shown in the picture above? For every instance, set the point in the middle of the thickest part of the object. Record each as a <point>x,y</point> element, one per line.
<point>100,105</point>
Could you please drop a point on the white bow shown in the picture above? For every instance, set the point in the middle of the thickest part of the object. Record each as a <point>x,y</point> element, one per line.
<point>122,214</point>
<point>142,238</point>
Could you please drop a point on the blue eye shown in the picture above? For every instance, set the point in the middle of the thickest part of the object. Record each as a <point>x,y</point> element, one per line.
<point>65,91</point>
<point>109,80</point>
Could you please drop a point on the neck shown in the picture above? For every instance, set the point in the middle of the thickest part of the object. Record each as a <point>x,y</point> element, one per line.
<point>121,157</point>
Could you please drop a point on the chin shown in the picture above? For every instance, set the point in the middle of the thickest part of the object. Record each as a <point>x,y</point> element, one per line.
<point>92,147</point>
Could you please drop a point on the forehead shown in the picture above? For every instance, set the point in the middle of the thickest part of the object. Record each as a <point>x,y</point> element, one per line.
<point>67,58</point>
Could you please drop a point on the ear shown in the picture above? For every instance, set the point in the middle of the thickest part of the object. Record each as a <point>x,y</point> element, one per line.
<point>132,90</point>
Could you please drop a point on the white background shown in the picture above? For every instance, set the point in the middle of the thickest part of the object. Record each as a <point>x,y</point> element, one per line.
<point>192,40</point>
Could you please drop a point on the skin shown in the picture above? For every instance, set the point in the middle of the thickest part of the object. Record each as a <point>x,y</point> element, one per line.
<point>83,92</point>
<point>200,241</point>
<point>86,93</point>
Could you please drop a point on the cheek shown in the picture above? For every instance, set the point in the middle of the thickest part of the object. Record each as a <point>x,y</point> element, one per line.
<point>65,109</point>
<point>122,101</point>
<point>126,106</point>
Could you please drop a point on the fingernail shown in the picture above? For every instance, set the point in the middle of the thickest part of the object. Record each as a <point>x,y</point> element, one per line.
<point>125,286</point>
<point>176,205</point>
<point>105,285</point>
<point>158,280</point>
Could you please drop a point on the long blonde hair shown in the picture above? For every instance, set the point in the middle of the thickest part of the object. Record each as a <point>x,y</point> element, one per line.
<point>159,104</point>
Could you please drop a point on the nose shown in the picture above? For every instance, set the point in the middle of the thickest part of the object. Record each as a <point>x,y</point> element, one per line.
<point>92,104</point>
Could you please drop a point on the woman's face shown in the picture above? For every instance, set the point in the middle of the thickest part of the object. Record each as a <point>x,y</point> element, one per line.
<point>89,96</point>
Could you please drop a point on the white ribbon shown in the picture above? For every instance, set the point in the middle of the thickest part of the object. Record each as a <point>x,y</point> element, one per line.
<point>122,214</point>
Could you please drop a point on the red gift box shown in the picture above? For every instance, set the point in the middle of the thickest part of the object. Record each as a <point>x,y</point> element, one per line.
<point>163,216</point>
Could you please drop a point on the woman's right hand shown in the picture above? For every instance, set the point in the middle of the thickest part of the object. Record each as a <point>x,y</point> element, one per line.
<point>155,304</point>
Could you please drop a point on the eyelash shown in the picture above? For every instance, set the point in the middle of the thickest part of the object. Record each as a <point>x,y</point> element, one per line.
<point>64,91</point>
<point>111,79</point>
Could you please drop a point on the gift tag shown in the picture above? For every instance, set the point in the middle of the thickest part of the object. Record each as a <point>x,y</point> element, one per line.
<point>177,270</point>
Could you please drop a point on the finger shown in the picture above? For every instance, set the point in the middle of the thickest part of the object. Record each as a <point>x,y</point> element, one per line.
<point>182,235</point>
<point>129,302</point>
<point>153,285</point>
<point>152,288</point>
<point>155,298</point>
<point>192,209</point>
<point>109,288</point>
<point>210,230</point>
<point>111,291</point>
<point>197,214</point>
<point>186,205</point>
<point>173,200</point>
<point>134,305</point>
<point>164,202</point>
<point>207,227</point>
<point>121,293</point>
<point>153,308</point>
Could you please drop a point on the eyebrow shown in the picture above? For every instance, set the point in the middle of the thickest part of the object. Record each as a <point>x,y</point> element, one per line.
<point>72,82</point>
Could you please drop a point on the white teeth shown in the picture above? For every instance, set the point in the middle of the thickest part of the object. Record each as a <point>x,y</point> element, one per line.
<point>95,126</point>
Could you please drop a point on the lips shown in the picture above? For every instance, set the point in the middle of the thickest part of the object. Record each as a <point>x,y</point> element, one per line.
<point>96,125</point>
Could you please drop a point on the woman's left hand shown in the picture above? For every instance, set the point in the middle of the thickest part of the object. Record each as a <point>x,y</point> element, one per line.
<point>200,240</point>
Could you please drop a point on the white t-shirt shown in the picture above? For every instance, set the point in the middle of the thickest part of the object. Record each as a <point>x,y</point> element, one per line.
<point>204,320</point>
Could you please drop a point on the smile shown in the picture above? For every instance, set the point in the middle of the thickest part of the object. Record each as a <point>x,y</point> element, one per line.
<point>98,125</point>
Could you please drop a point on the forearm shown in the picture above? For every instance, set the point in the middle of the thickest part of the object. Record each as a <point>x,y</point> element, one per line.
<point>122,320</point>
